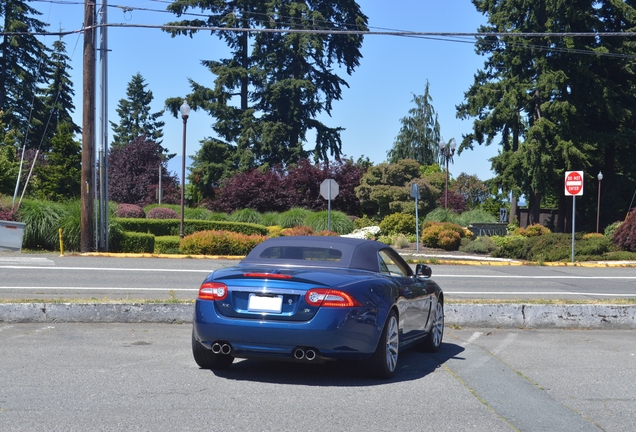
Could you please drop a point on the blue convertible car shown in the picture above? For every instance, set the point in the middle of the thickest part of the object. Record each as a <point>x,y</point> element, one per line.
<point>313,299</point>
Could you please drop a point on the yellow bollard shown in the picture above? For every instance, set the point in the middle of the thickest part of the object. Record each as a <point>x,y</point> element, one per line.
<point>61,244</point>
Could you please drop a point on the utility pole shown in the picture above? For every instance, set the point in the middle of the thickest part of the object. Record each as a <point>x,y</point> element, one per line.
<point>102,242</point>
<point>88,131</point>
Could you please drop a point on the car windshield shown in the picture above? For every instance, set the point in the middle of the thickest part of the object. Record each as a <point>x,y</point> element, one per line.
<point>301,253</point>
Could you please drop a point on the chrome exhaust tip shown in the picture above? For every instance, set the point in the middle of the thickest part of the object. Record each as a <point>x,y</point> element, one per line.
<point>310,354</point>
<point>226,349</point>
<point>299,354</point>
<point>216,348</point>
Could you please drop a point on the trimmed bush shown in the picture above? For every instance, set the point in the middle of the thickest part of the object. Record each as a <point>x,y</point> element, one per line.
<point>133,242</point>
<point>625,235</point>
<point>129,211</point>
<point>340,222</point>
<point>398,223</point>
<point>220,243</point>
<point>293,217</point>
<point>442,235</point>
<point>167,245</point>
<point>168,227</point>
<point>481,245</point>
<point>246,215</point>
<point>534,230</point>
<point>553,247</point>
<point>162,213</point>
<point>363,222</point>
<point>199,213</point>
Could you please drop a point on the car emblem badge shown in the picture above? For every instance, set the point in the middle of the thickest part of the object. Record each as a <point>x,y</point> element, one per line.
<point>226,305</point>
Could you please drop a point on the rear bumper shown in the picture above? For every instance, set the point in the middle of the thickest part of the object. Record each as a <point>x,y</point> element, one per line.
<point>334,333</point>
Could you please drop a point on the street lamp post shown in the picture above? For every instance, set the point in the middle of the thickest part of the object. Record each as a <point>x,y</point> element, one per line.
<point>185,113</point>
<point>447,151</point>
<point>598,203</point>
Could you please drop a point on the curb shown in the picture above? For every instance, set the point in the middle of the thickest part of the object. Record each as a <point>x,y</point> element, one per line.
<point>610,317</point>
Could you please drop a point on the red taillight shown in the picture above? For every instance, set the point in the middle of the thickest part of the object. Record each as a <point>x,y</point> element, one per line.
<point>212,291</point>
<point>268,275</point>
<point>330,298</point>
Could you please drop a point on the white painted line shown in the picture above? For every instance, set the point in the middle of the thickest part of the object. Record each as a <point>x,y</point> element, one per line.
<point>107,269</point>
<point>531,277</point>
<point>65,288</point>
<point>534,293</point>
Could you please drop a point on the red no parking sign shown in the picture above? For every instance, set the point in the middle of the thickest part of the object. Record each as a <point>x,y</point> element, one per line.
<point>574,183</point>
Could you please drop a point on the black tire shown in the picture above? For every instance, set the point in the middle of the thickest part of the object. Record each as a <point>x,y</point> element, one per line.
<point>206,359</point>
<point>433,339</point>
<point>383,364</point>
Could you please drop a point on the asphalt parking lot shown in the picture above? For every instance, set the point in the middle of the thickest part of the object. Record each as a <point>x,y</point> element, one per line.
<point>67,377</point>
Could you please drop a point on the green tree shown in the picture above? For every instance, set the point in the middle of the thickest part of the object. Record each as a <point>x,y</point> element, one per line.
<point>136,120</point>
<point>471,188</point>
<point>385,189</point>
<point>283,82</point>
<point>556,103</point>
<point>23,65</point>
<point>420,133</point>
<point>58,95</point>
<point>214,161</point>
<point>58,178</point>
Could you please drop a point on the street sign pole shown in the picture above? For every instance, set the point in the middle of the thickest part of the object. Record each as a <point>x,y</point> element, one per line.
<point>329,189</point>
<point>574,188</point>
<point>329,208</point>
<point>573,222</point>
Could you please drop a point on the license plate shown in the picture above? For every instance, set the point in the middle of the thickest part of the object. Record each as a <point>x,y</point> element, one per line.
<point>258,303</point>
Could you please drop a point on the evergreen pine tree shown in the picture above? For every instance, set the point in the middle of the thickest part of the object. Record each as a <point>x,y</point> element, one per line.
<point>135,117</point>
<point>419,135</point>
<point>23,64</point>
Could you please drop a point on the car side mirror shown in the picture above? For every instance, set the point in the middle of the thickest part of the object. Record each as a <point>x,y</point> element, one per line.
<point>423,270</point>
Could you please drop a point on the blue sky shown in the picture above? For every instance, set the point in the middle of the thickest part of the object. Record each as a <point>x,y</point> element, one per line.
<point>381,88</point>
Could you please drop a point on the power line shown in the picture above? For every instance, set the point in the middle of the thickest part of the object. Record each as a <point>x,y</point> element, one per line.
<point>336,32</point>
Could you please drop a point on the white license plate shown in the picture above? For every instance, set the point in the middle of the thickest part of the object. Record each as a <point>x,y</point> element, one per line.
<point>258,303</point>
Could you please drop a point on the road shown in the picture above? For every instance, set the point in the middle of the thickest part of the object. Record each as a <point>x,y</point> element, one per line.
<point>112,377</point>
<point>48,276</point>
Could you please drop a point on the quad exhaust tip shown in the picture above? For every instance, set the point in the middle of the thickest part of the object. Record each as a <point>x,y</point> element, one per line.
<point>221,348</point>
<point>308,354</point>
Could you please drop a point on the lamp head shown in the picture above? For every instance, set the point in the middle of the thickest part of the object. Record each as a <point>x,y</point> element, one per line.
<point>185,110</point>
<point>599,176</point>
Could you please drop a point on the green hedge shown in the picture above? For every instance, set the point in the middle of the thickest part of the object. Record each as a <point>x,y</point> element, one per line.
<point>167,245</point>
<point>171,227</point>
<point>134,242</point>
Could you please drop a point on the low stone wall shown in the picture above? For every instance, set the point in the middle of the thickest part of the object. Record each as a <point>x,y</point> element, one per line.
<point>483,315</point>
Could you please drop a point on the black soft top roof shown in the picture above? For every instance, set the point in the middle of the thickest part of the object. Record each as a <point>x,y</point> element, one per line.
<point>355,253</point>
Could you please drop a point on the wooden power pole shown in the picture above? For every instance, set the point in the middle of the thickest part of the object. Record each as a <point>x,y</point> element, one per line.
<point>88,130</point>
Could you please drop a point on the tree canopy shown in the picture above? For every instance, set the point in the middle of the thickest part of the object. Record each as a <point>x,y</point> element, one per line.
<point>283,80</point>
<point>135,118</point>
<point>556,103</point>
<point>420,133</point>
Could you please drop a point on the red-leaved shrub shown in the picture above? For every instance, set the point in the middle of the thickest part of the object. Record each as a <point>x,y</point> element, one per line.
<point>625,235</point>
<point>130,211</point>
<point>162,213</point>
